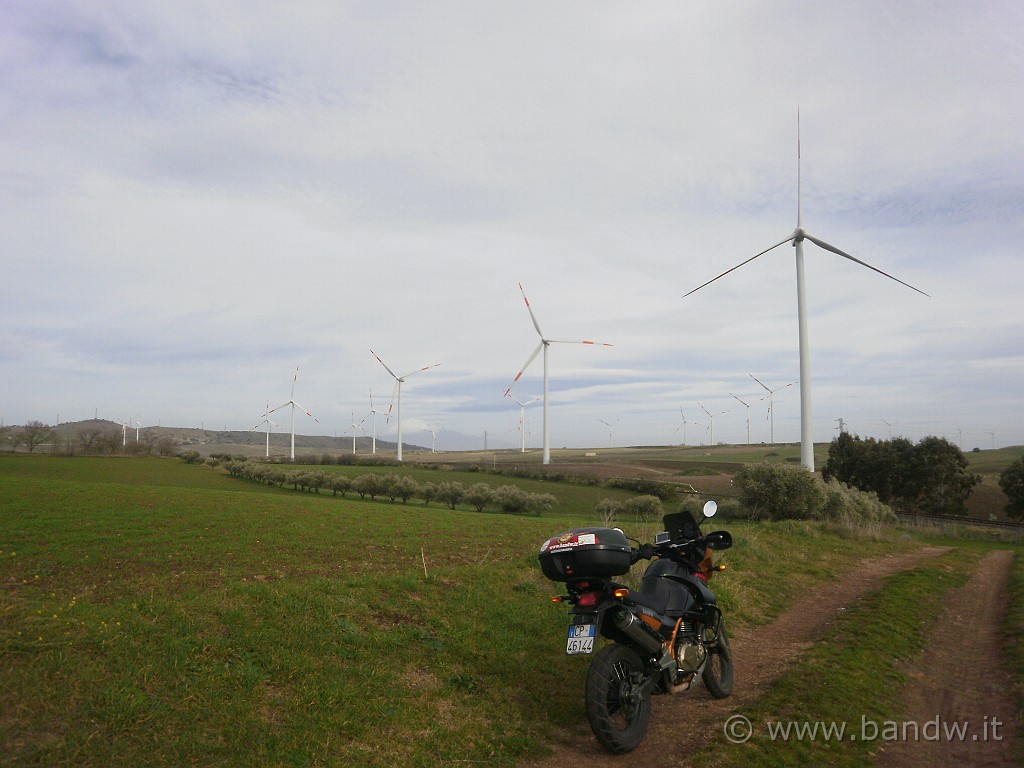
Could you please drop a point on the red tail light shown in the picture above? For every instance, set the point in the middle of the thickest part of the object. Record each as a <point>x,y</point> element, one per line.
<point>589,599</point>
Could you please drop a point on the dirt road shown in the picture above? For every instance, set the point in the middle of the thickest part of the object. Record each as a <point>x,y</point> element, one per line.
<point>764,653</point>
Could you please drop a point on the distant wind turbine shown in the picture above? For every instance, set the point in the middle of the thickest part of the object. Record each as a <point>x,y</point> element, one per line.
<point>373,421</point>
<point>610,429</point>
<point>294,405</point>
<point>711,421</point>
<point>522,419</point>
<point>398,388</point>
<point>771,401</point>
<point>682,426</point>
<point>748,416</point>
<point>353,426</point>
<point>797,239</point>
<point>270,424</point>
<point>544,344</point>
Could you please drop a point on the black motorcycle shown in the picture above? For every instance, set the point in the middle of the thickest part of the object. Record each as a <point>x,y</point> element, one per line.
<point>663,636</point>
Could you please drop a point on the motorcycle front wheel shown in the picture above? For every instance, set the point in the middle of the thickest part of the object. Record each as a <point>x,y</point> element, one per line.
<point>618,714</point>
<point>718,674</point>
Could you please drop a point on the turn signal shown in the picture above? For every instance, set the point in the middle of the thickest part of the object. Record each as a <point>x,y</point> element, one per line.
<point>621,593</point>
<point>558,599</point>
<point>719,568</point>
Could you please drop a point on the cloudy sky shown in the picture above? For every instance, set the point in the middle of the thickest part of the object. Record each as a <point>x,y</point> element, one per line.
<point>196,198</point>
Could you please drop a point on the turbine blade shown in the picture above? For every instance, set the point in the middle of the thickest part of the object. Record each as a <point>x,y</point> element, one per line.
<point>384,364</point>
<point>759,382</point>
<point>742,263</point>
<point>314,418</point>
<point>530,359</point>
<point>580,341</point>
<point>425,368</point>
<point>295,380</point>
<point>282,405</point>
<point>530,310</point>
<point>833,249</point>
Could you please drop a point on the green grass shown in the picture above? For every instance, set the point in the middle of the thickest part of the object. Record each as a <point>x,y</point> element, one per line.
<point>155,613</point>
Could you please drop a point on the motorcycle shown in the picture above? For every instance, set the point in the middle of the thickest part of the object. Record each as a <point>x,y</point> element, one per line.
<point>663,637</point>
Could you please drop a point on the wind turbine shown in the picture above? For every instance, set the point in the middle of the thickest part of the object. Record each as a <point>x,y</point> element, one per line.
<point>373,421</point>
<point>522,419</point>
<point>544,344</point>
<point>890,428</point>
<point>711,420</point>
<point>771,401</point>
<point>398,388</point>
<point>270,424</point>
<point>354,427</point>
<point>797,239</point>
<point>294,405</point>
<point>748,416</point>
<point>681,426</point>
<point>610,429</point>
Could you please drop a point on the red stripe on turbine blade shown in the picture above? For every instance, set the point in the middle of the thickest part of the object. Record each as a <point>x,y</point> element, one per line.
<point>518,376</point>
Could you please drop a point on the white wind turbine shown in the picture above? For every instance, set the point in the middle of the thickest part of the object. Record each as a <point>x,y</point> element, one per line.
<point>797,239</point>
<point>294,405</point>
<point>522,419</point>
<point>711,421</point>
<point>544,344</point>
<point>373,422</point>
<point>681,426</point>
<point>610,429</point>
<point>353,426</point>
<point>270,425</point>
<point>748,416</point>
<point>771,401</point>
<point>398,388</point>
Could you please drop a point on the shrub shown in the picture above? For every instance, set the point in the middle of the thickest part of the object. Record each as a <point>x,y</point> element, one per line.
<point>190,457</point>
<point>608,510</point>
<point>427,492</point>
<point>539,503</point>
<point>644,507</point>
<point>450,493</point>
<point>511,499</point>
<point>478,495</point>
<point>779,492</point>
<point>1012,483</point>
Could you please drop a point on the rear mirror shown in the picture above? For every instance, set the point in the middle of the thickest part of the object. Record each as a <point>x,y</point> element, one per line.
<point>710,508</point>
<point>718,540</point>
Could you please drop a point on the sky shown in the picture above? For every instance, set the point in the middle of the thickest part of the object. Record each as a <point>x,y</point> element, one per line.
<point>197,199</point>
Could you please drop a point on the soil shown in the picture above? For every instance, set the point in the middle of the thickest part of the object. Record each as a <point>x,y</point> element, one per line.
<point>965,681</point>
<point>683,723</point>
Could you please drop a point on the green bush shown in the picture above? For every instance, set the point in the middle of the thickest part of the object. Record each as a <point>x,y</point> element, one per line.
<point>779,492</point>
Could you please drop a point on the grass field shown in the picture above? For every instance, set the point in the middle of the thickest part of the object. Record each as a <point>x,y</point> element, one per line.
<point>157,613</point>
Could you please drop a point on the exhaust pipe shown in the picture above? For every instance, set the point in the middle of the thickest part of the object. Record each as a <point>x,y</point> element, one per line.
<point>637,631</point>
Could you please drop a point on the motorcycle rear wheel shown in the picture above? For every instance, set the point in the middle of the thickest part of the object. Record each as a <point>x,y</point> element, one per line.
<point>718,673</point>
<point>618,715</point>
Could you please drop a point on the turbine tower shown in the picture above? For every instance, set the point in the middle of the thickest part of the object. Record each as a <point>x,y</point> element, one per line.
<point>711,421</point>
<point>373,421</point>
<point>294,405</point>
<point>270,424</point>
<point>522,419</point>
<point>544,344</point>
<point>610,429</point>
<point>771,401</point>
<point>398,389</point>
<point>797,239</point>
<point>748,416</point>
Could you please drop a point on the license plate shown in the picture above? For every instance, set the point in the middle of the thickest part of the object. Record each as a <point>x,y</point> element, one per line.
<point>581,639</point>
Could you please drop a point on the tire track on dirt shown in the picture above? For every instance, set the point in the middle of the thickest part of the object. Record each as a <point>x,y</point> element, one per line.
<point>682,724</point>
<point>965,681</point>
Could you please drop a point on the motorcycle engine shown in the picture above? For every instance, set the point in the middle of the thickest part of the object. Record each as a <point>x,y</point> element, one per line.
<point>690,651</point>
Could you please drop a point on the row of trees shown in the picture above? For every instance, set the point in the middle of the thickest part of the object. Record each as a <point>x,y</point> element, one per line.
<point>928,477</point>
<point>509,499</point>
